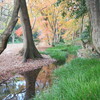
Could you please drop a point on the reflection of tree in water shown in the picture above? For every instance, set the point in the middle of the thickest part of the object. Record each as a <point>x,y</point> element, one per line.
<point>15,88</point>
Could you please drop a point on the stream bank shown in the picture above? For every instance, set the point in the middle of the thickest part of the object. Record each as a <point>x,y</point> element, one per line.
<point>14,89</point>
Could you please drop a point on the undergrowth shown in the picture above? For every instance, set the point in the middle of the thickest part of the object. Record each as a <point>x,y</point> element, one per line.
<point>60,52</point>
<point>78,80</point>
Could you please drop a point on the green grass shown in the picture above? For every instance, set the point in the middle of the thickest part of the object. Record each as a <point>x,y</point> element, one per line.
<point>78,80</point>
<point>72,49</point>
<point>61,51</point>
<point>59,55</point>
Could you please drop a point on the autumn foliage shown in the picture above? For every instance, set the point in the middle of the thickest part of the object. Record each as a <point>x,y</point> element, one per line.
<point>19,31</point>
<point>52,22</point>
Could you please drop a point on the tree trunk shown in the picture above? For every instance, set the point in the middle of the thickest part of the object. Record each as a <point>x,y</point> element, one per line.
<point>94,8</point>
<point>82,25</point>
<point>6,34</point>
<point>30,78</point>
<point>30,50</point>
<point>13,38</point>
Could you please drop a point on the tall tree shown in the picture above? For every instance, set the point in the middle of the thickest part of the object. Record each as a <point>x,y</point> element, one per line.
<point>30,50</point>
<point>94,8</point>
<point>6,34</point>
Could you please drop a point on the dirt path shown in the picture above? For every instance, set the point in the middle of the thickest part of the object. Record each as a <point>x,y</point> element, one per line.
<point>16,47</point>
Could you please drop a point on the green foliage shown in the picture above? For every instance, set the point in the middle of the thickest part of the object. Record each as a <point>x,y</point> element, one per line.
<point>58,2</point>
<point>82,9</point>
<point>72,49</point>
<point>79,8</point>
<point>57,53</point>
<point>61,51</point>
<point>17,26</point>
<point>16,40</point>
<point>78,80</point>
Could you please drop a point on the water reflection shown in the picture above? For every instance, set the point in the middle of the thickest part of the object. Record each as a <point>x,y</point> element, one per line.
<point>15,88</point>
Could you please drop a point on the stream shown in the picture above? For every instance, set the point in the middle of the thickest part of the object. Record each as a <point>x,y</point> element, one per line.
<point>14,89</point>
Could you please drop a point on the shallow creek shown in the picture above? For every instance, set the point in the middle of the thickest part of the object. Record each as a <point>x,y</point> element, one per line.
<point>14,89</point>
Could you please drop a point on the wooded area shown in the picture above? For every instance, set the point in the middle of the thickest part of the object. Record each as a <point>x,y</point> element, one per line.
<point>43,32</point>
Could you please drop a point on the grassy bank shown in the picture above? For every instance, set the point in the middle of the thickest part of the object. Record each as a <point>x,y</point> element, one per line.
<point>60,52</point>
<point>78,80</point>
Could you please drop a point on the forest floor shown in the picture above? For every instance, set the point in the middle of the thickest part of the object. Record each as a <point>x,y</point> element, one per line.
<point>9,56</point>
